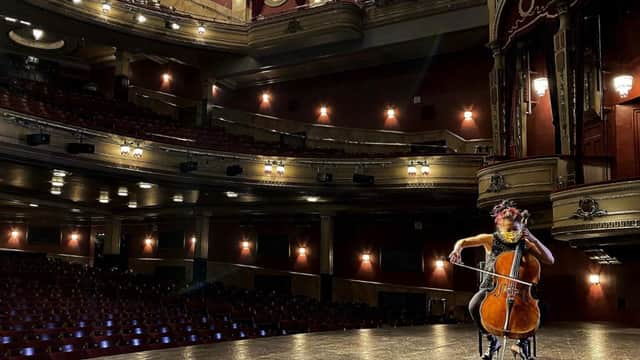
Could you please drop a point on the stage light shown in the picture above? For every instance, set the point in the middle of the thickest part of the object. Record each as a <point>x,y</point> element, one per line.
<point>468,115</point>
<point>132,204</point>
<point>141,19</point>
<point>366,258</point>
<point>145,185</point>
<point>302,251</point>
<point>59,173</point>
<point>104,197</point>
<point>123,191</point>
<point>175,26</point>
<point>280,169</point>
<point>324,111</point>
<point>623,84</point>
<point>137,152</point>
<point>55,190</point>
<point>57,181</point>
<point>391,112</point>
<point>106,7</point>
<point>178,198</point>
<point>312,199</point>
<point>15,233</point>
<point>201,30</point>
<point>439,264</point>
<point>594,279</point>
<point>231,194</point>
<point>541,85</point>
<point>268,168</point>
<point>425,169</point>
<point>411,169</point>
<point>148,241</point>
<point>245,245</point>
<point>266,97</point>
<point>74,236</point>
<point>125,149</point>
<point>37,34</point>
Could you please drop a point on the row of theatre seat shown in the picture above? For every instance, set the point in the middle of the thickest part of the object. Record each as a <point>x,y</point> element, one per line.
<point>82,109</point>
<point>50,309</point>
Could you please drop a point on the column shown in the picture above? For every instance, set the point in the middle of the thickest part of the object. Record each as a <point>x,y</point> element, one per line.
<point>201,253</point>
<point>121,75</point>
<point>562,45</point>
<point>326,258</point>
<point>496,84</point>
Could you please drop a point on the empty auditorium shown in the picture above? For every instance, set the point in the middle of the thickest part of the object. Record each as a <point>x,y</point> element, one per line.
<point>319,179</point>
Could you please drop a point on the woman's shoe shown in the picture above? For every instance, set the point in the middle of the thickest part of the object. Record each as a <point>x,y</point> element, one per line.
<point>521,350</point>
<point>494,347</point>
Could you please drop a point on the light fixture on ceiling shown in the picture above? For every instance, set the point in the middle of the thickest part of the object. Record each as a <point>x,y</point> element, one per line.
<point>106,7</point>
<point>411,169</point>
<point>37,34</point>
<point>268,168</point>
<point>541,85</point>
<point>60,173</point>
<point>141,19</point>
<point>231,194</point>
<point>145,185</point>
<point>77,2</point>
<point>312,199</point>
<point>33,205</point>
<point>125,149</point>
<point>201,30</point>
<point>175,26</point>
<point>57,181</point>
<point>25,23</point>
<point>178,198</point>
<point>425,169</point>
<point>280,169</point>
<point>104,197</point>
<point>10,19</point>
<point>623,84</point>
<point>123,191</point>
<point>137,152</point>
<point>56,190</point>
<point>132,204</point>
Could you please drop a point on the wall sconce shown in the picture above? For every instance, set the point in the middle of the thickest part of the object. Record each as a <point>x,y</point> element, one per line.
<point>366,257</point>
<point>324,111</point>
<point>166,77</point>
<point>594,279</point>
<point>312,199</point>
<point>245,245</point>
<point>56,190</point>
<point>145,185</point>
<point>468,115</point>
<point>391,112</point>
<point>266,97</point>
<point>439,264</point>
<point>623,84</point>
<point>193,240</point>
<point>14,233</point>
<point>302,251</point>
<point>74,236</point>
<point>541,85</point>
<point>57,181</point>
<point>178,198</point>
<point>148,241</point>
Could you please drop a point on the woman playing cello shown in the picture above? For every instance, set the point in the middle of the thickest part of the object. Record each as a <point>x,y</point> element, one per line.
<point>509,229</point>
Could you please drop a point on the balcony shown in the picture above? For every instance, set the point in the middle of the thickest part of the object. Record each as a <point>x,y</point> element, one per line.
<point>598,214</point>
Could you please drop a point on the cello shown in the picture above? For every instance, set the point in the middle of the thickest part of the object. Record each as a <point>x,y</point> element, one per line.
<point>509,310</point>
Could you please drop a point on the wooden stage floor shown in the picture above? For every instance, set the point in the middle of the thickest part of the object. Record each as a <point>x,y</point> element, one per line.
<point>449,342</point>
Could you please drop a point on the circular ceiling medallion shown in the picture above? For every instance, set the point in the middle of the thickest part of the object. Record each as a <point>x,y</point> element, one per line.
<point>25,37</point>
<point>274,3</point>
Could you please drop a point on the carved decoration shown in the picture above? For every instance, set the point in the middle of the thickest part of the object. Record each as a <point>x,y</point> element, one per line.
<point>588,208</point>
<point>497,184</point>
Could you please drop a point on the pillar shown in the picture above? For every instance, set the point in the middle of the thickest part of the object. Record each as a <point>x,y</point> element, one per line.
<point>326,257</point>
<point>562,44</point>
<point>122,74</point>
<point>112,244</point>
<point>201,251</point>
<point>496,84</point>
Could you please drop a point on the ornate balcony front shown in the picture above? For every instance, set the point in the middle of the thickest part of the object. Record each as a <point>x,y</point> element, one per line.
<point>527,181</point>
<point>597,214</point>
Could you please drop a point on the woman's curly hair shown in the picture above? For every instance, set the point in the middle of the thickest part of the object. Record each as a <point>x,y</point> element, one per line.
<point>507,209</point>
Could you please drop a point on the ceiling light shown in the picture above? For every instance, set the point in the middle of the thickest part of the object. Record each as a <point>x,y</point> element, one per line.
<point>60,173</point>
<point>104,197</point>
<point>175,26</point>
<point>137,152</point>
<point>106,7</point>
<point>268,168</point>
<point>10,19</point>
<point>623,84</point>
<point>541,85</point>
<point>280,169</point>
<point>55,190</point>
<point>37,34</point>
<point>178,198</point>
<point>425,169</point>
<point>33,205</point>
<point>201,30</point>
<point>411,169</point>
<point>132,204</point>
<point>123,191</point>
<point>145,185</point>
<point>312,199</point>
<point>26,23</point>
<point>57,181</point>
<point>125,149</point>
<point>77,1</point>
<point>141,18</point>
<point>231,194</point>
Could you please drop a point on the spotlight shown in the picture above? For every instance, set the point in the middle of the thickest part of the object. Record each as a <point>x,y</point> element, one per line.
<point>132,204</point>
<point>439,264</point>
<point>245,245</point>
<point>366,258</point>
<point>123,191</point>
<point>231,194</point>
<point>468,115</point>
<point>141,19</point>
<point>145,185</point>
<point>594,279</point>
<point>178,198</point>
<point>302,251</point>
<point>541,85</point>
<point>623,84</point>
<point>37,34</point>
<point>201,30</point>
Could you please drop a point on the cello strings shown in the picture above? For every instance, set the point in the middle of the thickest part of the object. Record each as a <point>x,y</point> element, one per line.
<point>494,274</point>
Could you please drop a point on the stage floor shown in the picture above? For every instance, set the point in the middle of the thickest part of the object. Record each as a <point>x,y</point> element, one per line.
<point>450,342</point>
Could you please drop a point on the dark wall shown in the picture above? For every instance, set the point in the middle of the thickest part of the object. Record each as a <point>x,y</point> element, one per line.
<point>66,246</point>
<point>448,85</point>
